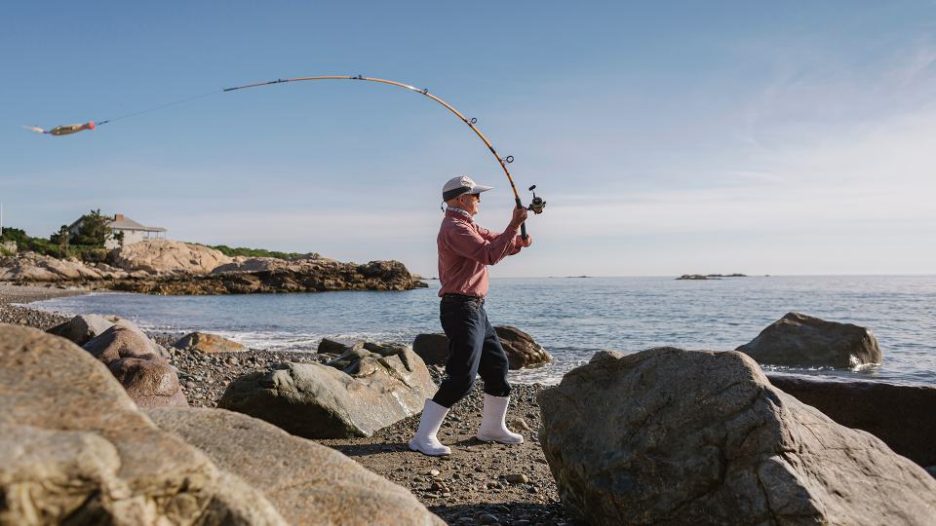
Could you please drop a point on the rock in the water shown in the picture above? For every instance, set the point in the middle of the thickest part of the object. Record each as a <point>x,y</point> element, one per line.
<point>522,351</point>
<point>82,328</point>
<point>162,256</point>
<point>682,437</point>
<point>74,449</point>
<point>357,394</point>
<point>799,340</point>
<point>903,416</point>
<point>432,348</point>
<point>207,343</point>
<point>148,377</point>
<point>308,483</point>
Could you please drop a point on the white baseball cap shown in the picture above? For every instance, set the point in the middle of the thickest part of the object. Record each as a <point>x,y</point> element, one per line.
<point>457,186</point>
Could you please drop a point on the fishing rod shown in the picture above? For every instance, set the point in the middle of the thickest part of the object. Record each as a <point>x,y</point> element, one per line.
<point>536,206</point>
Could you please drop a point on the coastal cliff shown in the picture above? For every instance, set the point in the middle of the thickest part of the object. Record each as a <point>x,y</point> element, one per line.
<point>176,268</point>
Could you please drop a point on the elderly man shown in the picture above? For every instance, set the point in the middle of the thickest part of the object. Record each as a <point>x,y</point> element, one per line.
<point>465,251</point>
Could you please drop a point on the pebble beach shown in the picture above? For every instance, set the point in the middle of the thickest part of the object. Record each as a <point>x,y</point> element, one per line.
<point>478,484</point>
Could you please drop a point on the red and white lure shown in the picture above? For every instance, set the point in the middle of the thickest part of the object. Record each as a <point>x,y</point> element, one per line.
<point>65,129</point>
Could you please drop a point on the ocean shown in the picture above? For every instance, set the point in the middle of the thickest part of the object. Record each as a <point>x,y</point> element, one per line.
<point>571,317</point>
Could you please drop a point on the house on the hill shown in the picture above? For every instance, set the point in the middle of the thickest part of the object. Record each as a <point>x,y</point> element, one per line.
<point>126,231</point>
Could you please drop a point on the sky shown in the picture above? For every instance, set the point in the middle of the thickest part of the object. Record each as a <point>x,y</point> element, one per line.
<point>776,138</point>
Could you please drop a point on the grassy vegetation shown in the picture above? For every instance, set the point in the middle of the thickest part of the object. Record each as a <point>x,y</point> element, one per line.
<point>260,252</point>
<point>46,247</point>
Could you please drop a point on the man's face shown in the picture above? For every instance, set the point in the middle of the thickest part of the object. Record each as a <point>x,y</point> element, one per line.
<point>471,203</point>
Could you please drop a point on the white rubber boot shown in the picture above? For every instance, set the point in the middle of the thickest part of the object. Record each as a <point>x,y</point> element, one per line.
<point>493,428</point>
<point>425,440</point>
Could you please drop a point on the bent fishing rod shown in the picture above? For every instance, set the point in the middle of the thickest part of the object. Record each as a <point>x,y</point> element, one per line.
<point>536,206</point>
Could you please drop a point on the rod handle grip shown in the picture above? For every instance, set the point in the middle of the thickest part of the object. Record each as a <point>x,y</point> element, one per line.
<point>523,233</point>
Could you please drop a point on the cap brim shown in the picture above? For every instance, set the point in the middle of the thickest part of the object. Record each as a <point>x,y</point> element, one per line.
<point>478,188</point>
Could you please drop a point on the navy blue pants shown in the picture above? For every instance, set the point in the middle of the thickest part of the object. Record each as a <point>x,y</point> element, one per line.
<point>473,349</point>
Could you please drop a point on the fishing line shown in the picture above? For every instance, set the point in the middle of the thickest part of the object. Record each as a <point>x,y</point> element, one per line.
<point>536,206</point>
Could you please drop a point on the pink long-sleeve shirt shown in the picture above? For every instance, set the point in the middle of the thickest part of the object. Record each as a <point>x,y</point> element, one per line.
<point>465,251</point>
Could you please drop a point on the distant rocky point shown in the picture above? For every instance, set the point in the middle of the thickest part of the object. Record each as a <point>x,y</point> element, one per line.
<point>174,267</point>
<point>710,276</point>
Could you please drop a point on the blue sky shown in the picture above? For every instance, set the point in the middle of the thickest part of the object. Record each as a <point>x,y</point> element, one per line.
<point>667,137</point>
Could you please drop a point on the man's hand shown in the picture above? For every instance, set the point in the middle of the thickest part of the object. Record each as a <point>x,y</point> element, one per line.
<point>519,216</point>
<point>526,242</point>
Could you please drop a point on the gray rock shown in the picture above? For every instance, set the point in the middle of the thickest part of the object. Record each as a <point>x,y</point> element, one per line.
<point>338,346</point>
<point>903,416</point>
<point>74,449</point>
<point>682,437</point>
<point>207,343</point>
<point>357,394</point>
<point>308,483</point>
<point>82,328</point>
<point>148,378</point>
<point>799,340</point>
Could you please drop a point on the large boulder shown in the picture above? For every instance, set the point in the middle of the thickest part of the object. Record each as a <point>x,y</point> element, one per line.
<point>74,449</point>
<point>339,345</point>
<point>355,395</point>
<point>204,342</point>
<point>150,380</point>
<point>82,328</point>
<point>798,340</point>
<point>521,349</point>
<point>309,484</point>
<point>85,327</point>
<point>692,437</point>
<point>903,416</point>
<point>162,257</point>
<point>32,267</point>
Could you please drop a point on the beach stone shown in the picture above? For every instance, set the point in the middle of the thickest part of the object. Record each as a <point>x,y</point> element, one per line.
<point>204,342</point>
<point>694,437</point>
<point>798,340</point>
<point>903,416</point>
<point>148,378</point>
<point>338,346</point>
<point>354,395</point>
<point>307,483</point>
<point>82,328</point>
<point>74,449</point>
<point>521,349</point>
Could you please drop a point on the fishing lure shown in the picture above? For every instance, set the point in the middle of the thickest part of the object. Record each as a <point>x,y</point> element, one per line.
<point>65,129</point>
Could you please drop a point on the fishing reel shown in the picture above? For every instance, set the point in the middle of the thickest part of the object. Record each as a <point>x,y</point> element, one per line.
<point>537,204</point>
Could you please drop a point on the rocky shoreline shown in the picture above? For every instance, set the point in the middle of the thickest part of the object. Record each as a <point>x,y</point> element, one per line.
<point>176,268</point>
<point>479,484</point>
<point>737,421</point>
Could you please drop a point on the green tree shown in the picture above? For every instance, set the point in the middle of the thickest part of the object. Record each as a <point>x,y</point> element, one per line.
<point>94,230</point>
<point>61,238</point>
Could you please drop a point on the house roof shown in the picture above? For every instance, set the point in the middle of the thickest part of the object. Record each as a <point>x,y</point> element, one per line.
<point>125,223</point>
